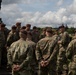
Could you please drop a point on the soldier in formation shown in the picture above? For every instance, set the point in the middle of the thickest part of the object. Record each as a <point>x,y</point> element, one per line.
<point>20,56</point>
<point>46,54</point>
<point>32,53</point>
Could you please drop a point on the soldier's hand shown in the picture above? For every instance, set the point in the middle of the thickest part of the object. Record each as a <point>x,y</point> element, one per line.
<point>16,67</point>
<point>46,63</point>
<point>42,63</point>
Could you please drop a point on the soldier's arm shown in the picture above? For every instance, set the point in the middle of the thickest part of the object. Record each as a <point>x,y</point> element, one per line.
<point>9,55</point>
<point>28,58</point>
<point>9,39</point>
<point>38,53</point>
<point>69,50</point>
<point>54,53</point>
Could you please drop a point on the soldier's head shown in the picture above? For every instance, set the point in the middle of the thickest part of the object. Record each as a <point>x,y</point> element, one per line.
<point>2,26</point>
<point>28,26</point>
<point>74,58</point>
<point>49,32</point>
<point>29,36</point>
<point>34,28</point>
<point>23,28</point>
<point>18,25</point>
<point>23,34</point>
<point>61,28</point>
<point>13,28</point>
<point>44,30</point>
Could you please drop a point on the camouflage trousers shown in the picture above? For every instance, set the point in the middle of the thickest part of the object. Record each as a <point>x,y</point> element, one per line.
<point>22,72</point>
<point>48,70</point>
<point>62,69</point>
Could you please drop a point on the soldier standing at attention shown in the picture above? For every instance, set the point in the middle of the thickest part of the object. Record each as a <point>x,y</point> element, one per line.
<point>33,62</point>
<point>71,50</point>
<point>64,37</point>
<point>46,54</point>
<point>12,37</point>
<point>20,55</point>
<point>63,43</point>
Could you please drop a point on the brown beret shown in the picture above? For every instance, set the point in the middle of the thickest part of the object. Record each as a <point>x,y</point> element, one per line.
<point>14,27</point>
<point>18,23</point>
<point>28,25</point>
<point>23,27</point>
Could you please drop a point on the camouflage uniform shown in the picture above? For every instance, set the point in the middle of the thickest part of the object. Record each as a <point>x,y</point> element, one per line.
<point>33,63</point>
<point>12,37</point>
<point>65,39</point>
<point>35,36</point>
<point>45,52</point>
<point>72,66</point>
<point>42,36</point>
<point>61,60</point>
<point>70,52</point>
<point>20,53</point>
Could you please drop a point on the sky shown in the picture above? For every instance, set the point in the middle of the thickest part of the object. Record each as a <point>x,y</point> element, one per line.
<point>40,13</point>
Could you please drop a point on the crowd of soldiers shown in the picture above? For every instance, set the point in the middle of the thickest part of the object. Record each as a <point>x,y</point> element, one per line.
<point>29,52</point>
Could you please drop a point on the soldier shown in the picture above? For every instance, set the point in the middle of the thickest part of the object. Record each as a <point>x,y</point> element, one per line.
<point>28,26</point>
<point>71,50</point>
<point>33,62</point>
<point>2,43</point>
<point>63,43</point>
<point>72,66</point>
<point>20,55</point>
<point>35,34</point>
<point>12,37</point>
<point>18,25</point>
<point>46,54</point>
<point>64,37</point>
<point>42,35</point>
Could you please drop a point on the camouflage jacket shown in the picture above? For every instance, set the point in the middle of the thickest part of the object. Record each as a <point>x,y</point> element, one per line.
<point>20,52</point>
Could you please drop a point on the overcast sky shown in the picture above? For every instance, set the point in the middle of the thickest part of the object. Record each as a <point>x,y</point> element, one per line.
<point>39,12</point>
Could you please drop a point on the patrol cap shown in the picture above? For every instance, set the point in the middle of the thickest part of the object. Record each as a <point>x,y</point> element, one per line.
<point>28,25</point>
<point>2,25</point>
<point>24,32</point>
<point>18,23</point>
<point>49,30</point>
<point>14,27</point>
